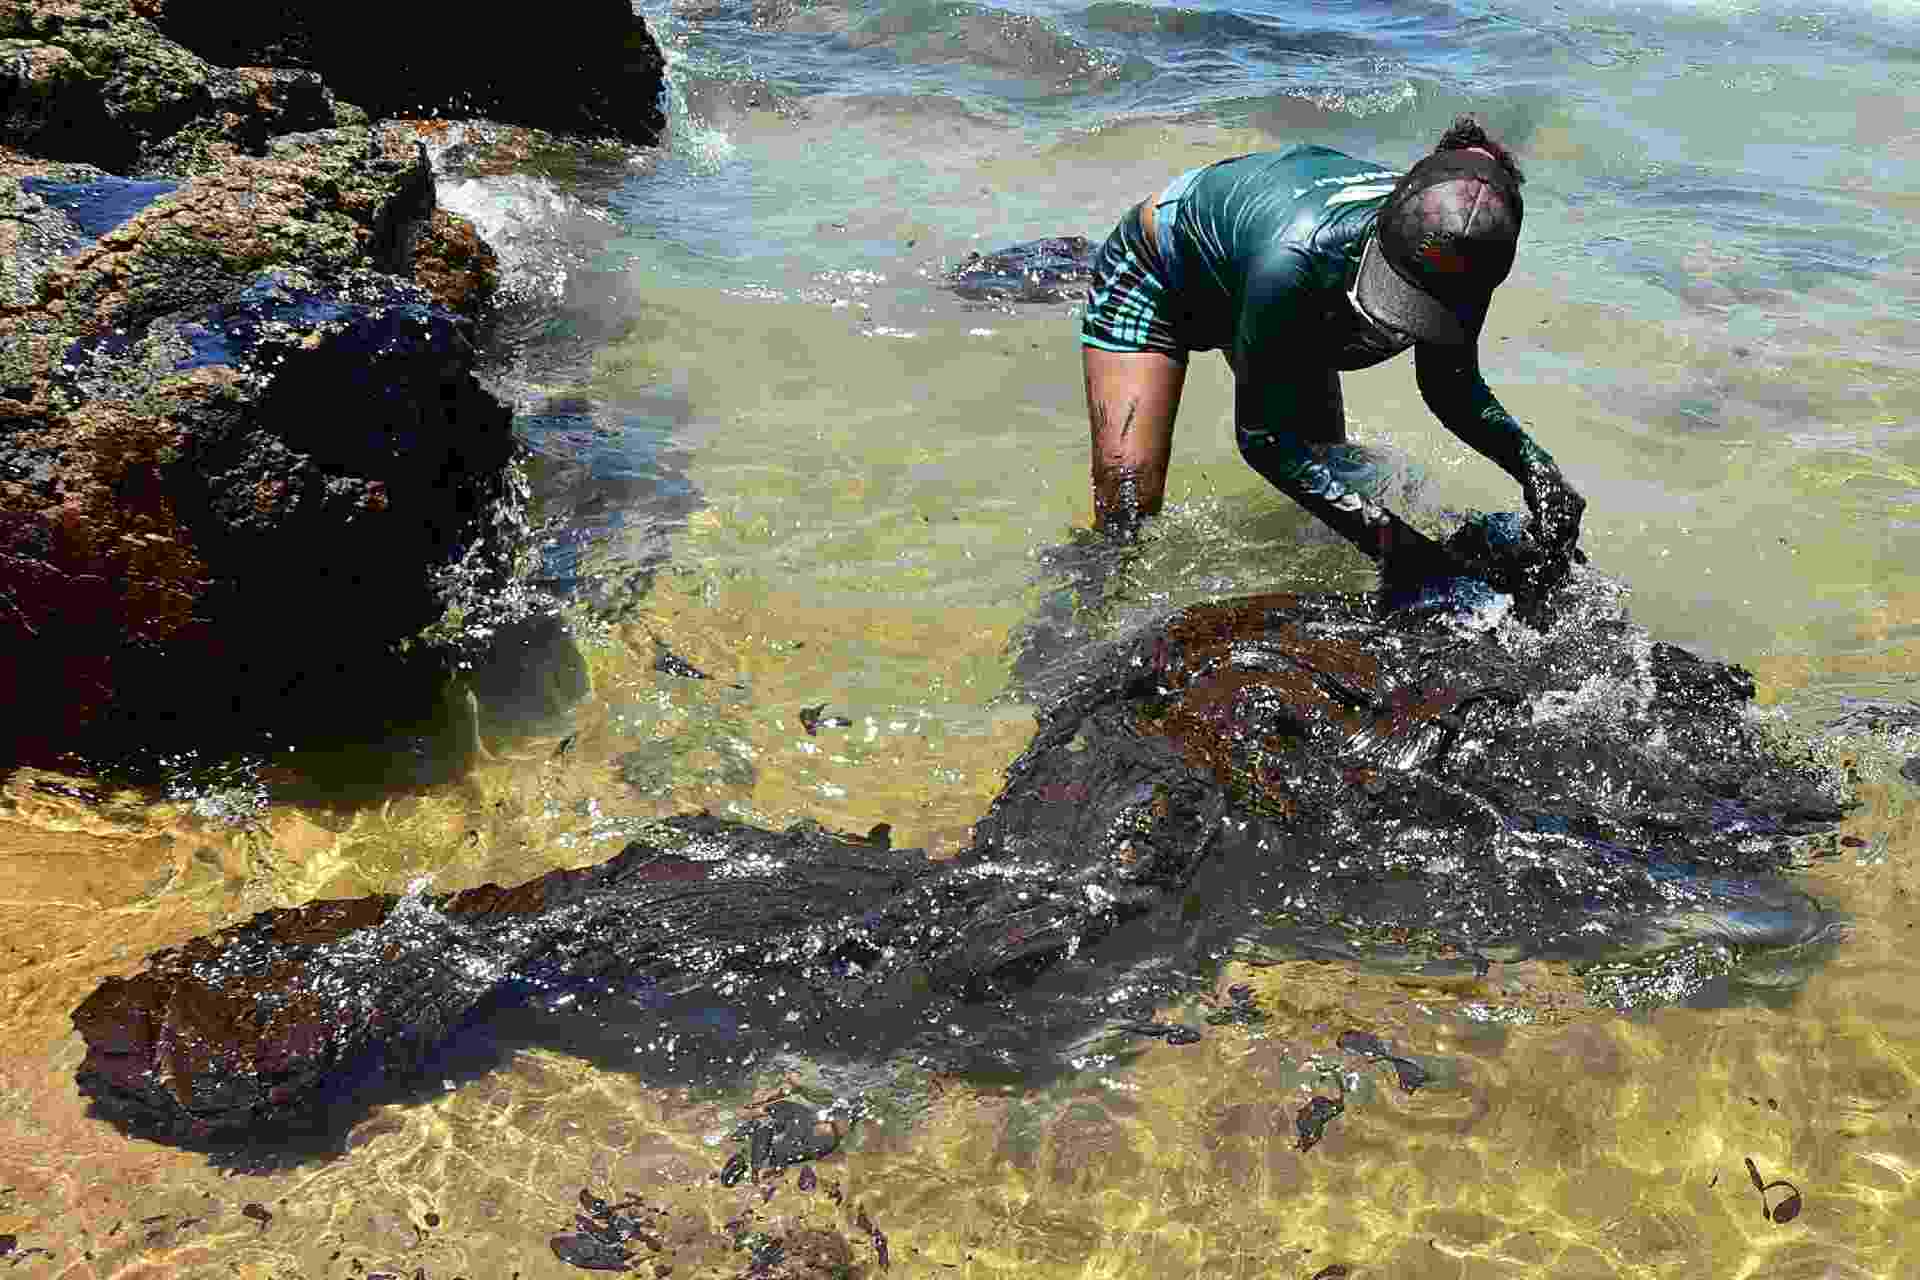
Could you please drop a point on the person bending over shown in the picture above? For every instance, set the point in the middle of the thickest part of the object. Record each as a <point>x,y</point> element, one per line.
<point>1297,264</point>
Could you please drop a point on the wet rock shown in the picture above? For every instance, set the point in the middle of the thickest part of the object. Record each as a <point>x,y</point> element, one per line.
<point>764,1251</point>
<point>1311,1121</point>
<point>96,205</point>
<point>35,234</point>
<point>245,108</point>
<point>1242,1010</point>
<point>815,718</point>
<point>52,104</point>
<point>176,484</point>
<point>667,662</point>
<point>590,1254</point>
<point>1410,1074</point>
<point>1171,1032</point>
<point>100,83</point>
<point>432,59</point>
<point>606,1233</point>
<point>453,264</point>
<point>788,1133</point>
<point>185,86</point>
<point>1362,1042</point>
<point>1383,787</point>
<point>1911,771</point>
<point>1868,716</point>
<point>1055,269</point>
<point>10,1248</point>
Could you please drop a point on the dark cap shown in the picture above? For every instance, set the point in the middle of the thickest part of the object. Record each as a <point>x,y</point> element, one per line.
<point>1444,239</point>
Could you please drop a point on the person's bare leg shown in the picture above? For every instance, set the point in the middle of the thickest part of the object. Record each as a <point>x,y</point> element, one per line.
<point>1132,398</point>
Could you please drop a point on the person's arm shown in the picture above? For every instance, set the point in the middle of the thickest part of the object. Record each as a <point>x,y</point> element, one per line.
<point>1459,397</point>
<point>1287,408</point>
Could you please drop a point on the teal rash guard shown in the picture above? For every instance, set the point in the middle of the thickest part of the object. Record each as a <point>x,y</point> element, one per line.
<point>1257,255</point>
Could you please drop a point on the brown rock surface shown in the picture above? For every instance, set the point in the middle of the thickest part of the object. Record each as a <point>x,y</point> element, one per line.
<point>176,360</point>
<point>453,264</point>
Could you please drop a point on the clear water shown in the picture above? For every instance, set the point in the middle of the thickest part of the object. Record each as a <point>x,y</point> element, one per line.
<point>1711,324</point>
<point>769,441</point>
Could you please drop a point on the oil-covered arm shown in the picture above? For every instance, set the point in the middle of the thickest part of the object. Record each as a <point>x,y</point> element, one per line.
<point>1290,424</point>
<point>1459,397</point>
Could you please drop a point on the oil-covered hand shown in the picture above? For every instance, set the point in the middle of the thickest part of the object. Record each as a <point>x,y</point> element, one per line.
<point>1556,512</point>
<point>1506,554</point>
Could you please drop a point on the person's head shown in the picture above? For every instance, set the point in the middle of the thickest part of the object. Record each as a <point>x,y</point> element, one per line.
<point>1444,239</point>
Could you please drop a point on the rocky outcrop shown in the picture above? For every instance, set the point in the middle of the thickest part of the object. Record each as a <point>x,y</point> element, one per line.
<point>180,86</point>
<point>586,67</point>
<point>1358,782</point>
<point>228,402</point>
<point>1056,269</point>
<point>237,342</point>
<point>94,81</point>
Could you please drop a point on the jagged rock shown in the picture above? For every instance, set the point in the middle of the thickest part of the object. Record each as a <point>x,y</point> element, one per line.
<point>52,105</point>
<point>34,235</point>
<point>181,87</point>
<point>1055,269</point>
<point>789,1133</point>
<point>431,58</point>
<point>1373,781</point>
<point>224,404</point>
<point>454,265</point>
<point>98,83</point>
<point>244,109</point>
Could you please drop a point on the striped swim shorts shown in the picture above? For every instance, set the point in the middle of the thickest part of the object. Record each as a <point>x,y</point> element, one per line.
<point>1131,305</point>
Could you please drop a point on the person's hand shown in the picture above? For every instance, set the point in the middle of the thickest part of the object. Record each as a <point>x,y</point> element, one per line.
<point>1557,510</point>
<point>1501,551</point>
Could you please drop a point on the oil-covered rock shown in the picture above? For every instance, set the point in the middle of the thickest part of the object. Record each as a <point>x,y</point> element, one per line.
<point>225,403</point>
<point>1366,783</point>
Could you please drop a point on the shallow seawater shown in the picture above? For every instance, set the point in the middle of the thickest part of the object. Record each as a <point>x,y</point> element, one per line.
<point>768,444</point>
